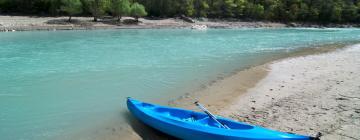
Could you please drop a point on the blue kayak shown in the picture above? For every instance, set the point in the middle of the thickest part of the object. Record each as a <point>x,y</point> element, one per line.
<point>190,125</point>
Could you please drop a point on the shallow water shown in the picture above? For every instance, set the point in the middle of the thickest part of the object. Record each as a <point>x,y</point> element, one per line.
<point>64,83</point>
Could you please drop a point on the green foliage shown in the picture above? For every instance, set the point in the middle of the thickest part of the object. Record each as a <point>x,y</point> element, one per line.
<point>71,7</point>
<point>254,11</point>
<point>336,11</point>
<point>120,8</point>
<point>239,7</point>
<point>321,11</point>
<point>188,9</point>
<point>201,8</point>
<point>304,12</point>
<point>137,10</point>
<point>96,7</point>
<point>350,12</point>
<point>313,14</point>
<point>223,7</point>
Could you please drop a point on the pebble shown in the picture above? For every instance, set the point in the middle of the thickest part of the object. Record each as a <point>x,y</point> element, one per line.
<point>341,98</point>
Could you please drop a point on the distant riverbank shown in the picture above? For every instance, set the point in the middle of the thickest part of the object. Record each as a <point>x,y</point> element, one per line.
<point>30,23</point>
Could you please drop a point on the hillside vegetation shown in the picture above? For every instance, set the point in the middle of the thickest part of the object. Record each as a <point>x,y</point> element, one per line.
<point>320,11</point>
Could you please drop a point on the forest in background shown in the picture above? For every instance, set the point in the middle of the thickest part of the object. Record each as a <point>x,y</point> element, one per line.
<point>320,11</point>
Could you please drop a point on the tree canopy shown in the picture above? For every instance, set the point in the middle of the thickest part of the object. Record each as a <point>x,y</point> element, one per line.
<point>71,7</point>
<point>96,7</point>
<point>137,10</point>
<point>321,11</point>
<point>120,8</point>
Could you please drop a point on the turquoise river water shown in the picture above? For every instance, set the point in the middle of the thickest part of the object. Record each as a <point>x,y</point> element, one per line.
<point>56,85</point>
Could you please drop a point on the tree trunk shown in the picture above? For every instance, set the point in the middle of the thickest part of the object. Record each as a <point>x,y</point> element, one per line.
<point>119,19</point>
<point>136,18</point>
<point>95,19</point>
<point>69,20</point>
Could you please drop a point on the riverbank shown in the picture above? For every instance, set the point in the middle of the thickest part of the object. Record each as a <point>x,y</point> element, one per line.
<point>301,94</point>
<point>27,23</point>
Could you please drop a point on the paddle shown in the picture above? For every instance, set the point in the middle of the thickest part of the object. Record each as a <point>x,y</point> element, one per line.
<point>210,115</point>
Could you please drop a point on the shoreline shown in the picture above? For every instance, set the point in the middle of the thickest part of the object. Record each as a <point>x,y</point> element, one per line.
<point>247,78</point>
<point>28,23</point>
<point>226,95</point>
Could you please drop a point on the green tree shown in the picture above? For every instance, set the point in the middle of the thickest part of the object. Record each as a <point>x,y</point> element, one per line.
<point>294,12</point>
<point>201,8</point>
<point>358,7</point>
<point>254,11</point>
<point>96,7</point>
<point>303,12</point>
<point>270,7</point>
<point>55,7</point>
<point>120,8</point>
<point>188,8</point>
<point>336,14</point>
<point>313,14</point>
<point>224,8</point>
<point>238,10</point>
<point>350,13</point>
<point>137,10</point>
<point>71,7</point>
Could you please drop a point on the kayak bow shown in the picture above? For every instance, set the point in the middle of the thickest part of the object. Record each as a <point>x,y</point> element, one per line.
<point>190,125</point>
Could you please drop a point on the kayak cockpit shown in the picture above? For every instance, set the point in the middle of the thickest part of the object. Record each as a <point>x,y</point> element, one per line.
<point>195,118</point>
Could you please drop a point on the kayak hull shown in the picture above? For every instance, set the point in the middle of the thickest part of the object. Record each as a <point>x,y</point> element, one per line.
<point>190,125</point>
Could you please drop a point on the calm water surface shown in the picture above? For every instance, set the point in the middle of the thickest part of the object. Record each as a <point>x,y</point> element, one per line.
<point>64,83</point>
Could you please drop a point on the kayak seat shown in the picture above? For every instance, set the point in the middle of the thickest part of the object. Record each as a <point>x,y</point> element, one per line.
<point>194,117</point>
<point>211,123</point>
<point>180,115</point>
<point>207,122</point>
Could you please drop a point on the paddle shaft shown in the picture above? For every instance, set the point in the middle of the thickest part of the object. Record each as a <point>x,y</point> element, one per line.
<point>210,115</point>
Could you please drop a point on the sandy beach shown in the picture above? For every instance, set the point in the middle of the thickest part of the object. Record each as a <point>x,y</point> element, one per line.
<point>301,94</point>
<point>305,95</point>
